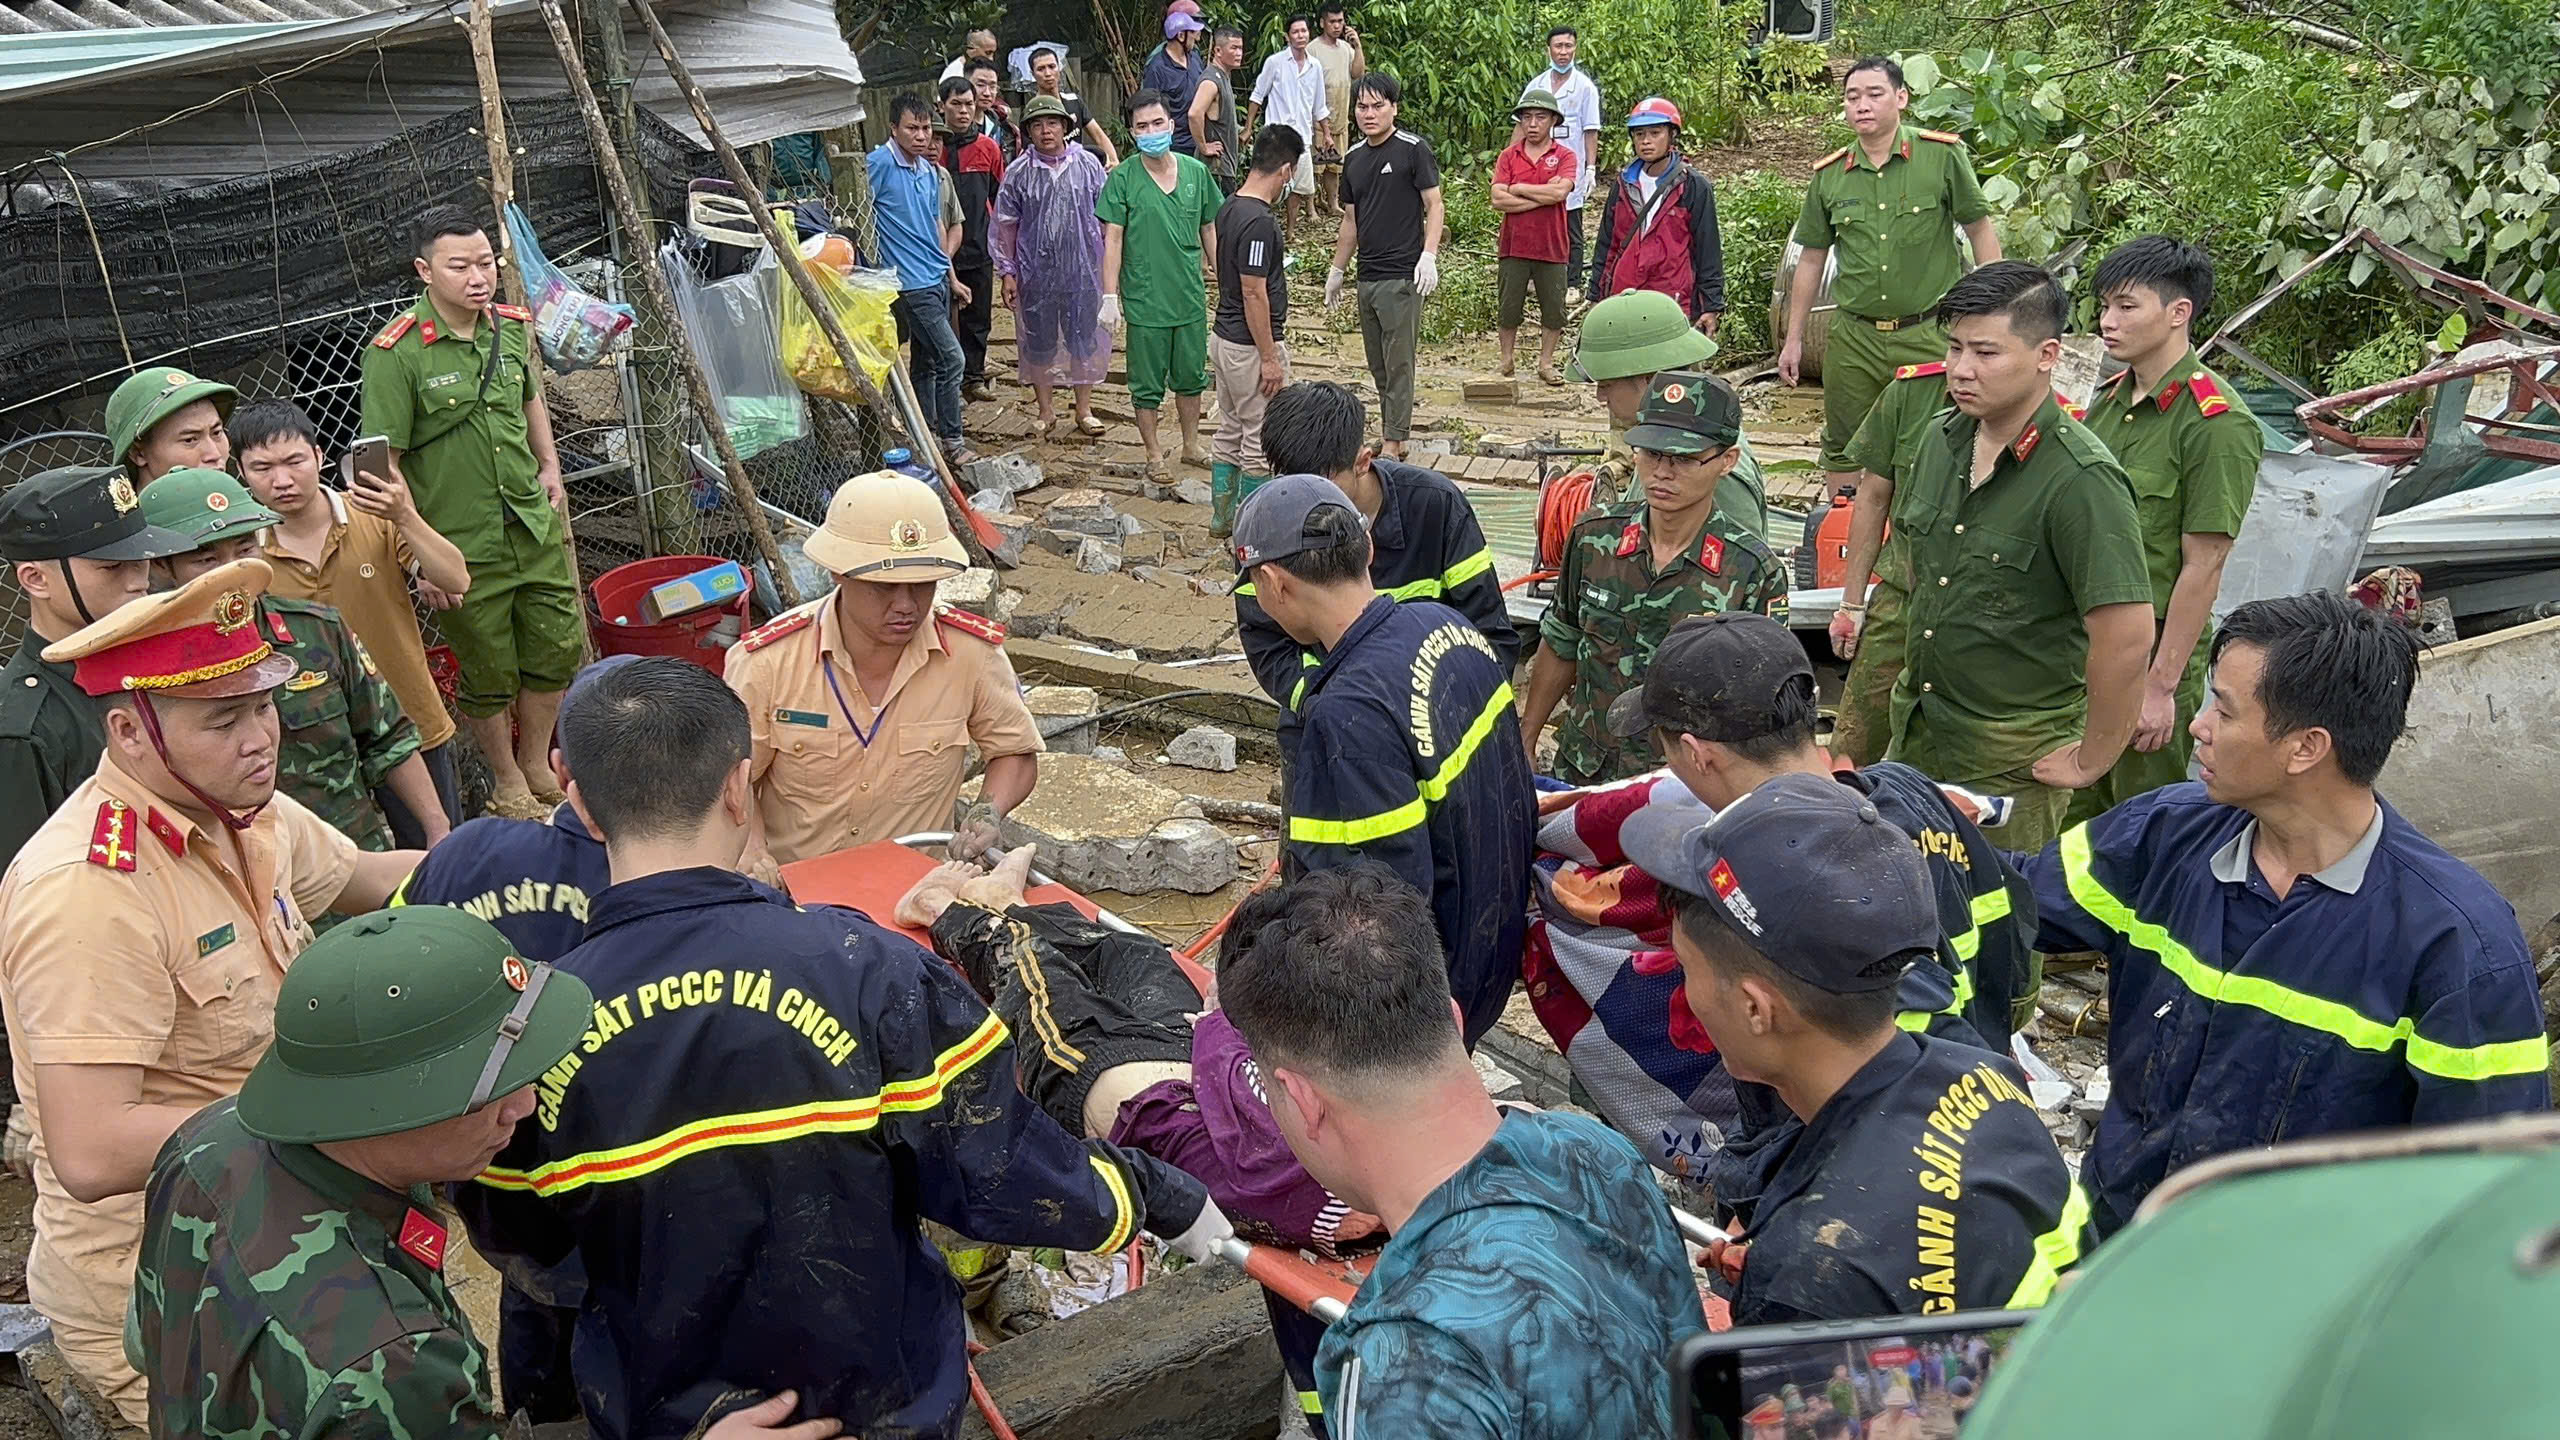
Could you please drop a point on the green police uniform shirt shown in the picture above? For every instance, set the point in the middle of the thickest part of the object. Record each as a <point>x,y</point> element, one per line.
<point>1888,441</point>
<point>1612,608</point>
<point>279,1293</point>
<point>466,451</point>
<point>51,735</point>
<point>2192,454</point>
<point>1893,230</point>
<point>2002,574</point>
<point>343,729</point>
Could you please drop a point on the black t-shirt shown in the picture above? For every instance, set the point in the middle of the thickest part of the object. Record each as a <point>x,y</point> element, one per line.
<point>1249,244</point>
<point>1383,185</point>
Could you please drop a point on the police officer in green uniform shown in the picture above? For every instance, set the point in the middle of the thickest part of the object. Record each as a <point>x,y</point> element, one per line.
<point>1632,570</point>
<point>292,1273</point>
<point>453,384</point>
<point>1868,626</point>
<point>162,418</point>
<point>1627,339</point>
<point>79,546</point>
<point>2192,452</point>
<point>1888,205</point>
<point>2030,614</point>
<point>343,730</point>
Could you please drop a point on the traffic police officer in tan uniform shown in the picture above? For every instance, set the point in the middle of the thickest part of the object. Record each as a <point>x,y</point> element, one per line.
<point>866,700</point>
<point>144,929</point>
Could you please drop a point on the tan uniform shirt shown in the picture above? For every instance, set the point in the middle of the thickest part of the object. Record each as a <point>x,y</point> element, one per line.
<point>819,787</point>
<point>364,570</point>
<point>131,936</point>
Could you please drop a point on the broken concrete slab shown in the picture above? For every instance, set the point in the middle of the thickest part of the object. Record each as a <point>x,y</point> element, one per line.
<point>1086,512</point>
<point>1097,557</point>
<point>1203,747</point>
<point>970,589</point>
<point>1059,542</point>
<point>1493,390</point>
<point>1187,1354</point>
<point>1193,492</point>
<point>992,501</point>
<point>1011,473</point>
<point>1111,755</point>
<point>1100,828</point>
<point>1012,532</point>
<point>1064,714</point>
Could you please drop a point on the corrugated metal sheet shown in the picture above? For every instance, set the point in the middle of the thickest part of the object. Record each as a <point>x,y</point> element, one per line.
<point>771,67</point>
<point>47,17</point>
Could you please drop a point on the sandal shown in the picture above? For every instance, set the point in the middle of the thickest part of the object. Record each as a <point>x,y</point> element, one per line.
<point>1548,374</point>
<point>1091,424</point>
<point>1048,430</point>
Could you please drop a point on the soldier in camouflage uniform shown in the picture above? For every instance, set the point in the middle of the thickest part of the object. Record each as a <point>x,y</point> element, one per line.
<point>1634,569</point>
<point>343,729</point>
<point>1626,339</point>
<point>292,1274</point>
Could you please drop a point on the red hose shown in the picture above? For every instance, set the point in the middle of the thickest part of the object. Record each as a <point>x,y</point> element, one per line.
<point>987,1402</point>
<point>1559,506</point>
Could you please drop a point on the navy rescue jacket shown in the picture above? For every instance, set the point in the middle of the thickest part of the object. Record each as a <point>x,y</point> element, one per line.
<point>2392,989</point>
<point>532,880</point>
<point>1410,756</point>
<point>741,1149</point>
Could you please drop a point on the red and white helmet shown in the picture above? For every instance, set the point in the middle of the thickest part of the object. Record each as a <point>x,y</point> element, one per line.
<point>1654,110</point>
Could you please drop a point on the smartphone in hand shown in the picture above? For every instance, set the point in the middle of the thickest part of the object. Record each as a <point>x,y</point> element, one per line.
<point>370,456</point>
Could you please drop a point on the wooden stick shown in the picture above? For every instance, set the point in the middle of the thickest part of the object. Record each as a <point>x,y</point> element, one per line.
<point>911,413</point>
<point>644,257</point>
<point>502,163</point>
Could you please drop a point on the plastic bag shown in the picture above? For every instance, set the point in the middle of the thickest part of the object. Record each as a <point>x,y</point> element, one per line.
<point>732,325</point>
<point>575,329</point>
<point>861,304</point>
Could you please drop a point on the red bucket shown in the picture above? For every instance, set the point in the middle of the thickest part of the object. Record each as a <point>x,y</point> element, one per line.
<point>687,637</point>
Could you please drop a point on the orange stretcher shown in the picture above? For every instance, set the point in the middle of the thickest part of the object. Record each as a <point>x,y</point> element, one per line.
<point>872,878</point>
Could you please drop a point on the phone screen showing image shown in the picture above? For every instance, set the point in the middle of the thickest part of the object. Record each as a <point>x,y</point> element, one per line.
<point>1905,1378</point>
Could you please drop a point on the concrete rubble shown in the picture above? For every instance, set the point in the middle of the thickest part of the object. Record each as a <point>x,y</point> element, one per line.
<point>1193,492</point>
<point>1100,828</point>
<point>1065,714</point>
<point>1097,557</point>
<point>1084,512</point>
<point>1203,747</point>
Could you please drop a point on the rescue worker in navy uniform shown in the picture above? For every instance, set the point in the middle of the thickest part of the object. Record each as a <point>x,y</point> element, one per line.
<point>533,880</point>
<point>1409,750</point>
<point>770,1102</point>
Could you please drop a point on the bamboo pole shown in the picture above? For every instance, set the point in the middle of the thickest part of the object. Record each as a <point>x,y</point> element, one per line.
<point>502,163</point>
<point>645,259</point>
<point>924,442</point>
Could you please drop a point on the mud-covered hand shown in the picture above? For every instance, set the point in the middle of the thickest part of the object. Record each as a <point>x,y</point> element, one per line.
<point>977,834</point>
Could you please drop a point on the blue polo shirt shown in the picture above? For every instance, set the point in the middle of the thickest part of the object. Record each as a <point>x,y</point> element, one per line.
<point>2393,988</point>
<point>910,200</point>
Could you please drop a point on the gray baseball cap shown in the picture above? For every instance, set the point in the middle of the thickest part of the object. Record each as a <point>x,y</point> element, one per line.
<point>1273,525</point>
<point>1807,873</point>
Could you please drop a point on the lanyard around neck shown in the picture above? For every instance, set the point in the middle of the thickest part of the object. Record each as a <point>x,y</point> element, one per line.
<point>827,662</point>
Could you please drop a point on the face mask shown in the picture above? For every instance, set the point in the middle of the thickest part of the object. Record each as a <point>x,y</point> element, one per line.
<point>1563,68</point>
<point>1156,144</point>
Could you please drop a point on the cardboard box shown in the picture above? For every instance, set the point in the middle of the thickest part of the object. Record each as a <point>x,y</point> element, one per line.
<point>719,584</point>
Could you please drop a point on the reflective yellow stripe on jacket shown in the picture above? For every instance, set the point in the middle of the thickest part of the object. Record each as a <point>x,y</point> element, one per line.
<point>763,1127</point>
<point>2312,1012</point>
<point>2057,1250</point>
<point>1432,789</point>
<point>1986,908</point>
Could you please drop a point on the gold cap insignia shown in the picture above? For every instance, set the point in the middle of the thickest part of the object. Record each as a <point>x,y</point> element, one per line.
<point>177,380</point>
<point>514,970</point>
<point>217,502</point>
<point>120,493</point>
<point>1674,393</point>
<point>907,535</point>
<point>231,611</point>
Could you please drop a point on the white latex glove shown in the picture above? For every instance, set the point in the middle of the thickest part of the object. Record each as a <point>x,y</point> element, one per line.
<point>1109,314</point>
<point>1426,274</point>
<point>1200,1242</point>
<point>1333,287</point>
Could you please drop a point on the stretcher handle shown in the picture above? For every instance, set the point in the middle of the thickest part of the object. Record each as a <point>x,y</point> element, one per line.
<point>1695,1230</point>
<point>1100,915</point>
<point>1289,1282</point>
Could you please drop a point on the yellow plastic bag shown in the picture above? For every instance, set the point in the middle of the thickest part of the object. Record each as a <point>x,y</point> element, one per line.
<point>861,303</point>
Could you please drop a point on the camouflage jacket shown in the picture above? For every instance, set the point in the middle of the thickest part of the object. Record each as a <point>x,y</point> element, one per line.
<point>1742,495</point>
<point>1612,608</point>
<point>343,728</point>
<point>279,1293</point>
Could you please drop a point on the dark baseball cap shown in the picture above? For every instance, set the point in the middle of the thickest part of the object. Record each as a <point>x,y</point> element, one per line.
<point>1276,521</point>
<point>1807,872</point>
<point>81,512</point>
<point>1714,676</point>
<point>1687,412</point>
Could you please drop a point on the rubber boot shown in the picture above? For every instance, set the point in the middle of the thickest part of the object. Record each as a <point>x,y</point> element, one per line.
<point>1224,483</point>
<point>1247,484</point>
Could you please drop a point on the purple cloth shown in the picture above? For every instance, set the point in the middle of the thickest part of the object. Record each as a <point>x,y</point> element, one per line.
<point>1218,1128</point>
<point>1049,240</point>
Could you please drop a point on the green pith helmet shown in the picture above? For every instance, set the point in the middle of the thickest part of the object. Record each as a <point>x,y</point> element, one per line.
<point>204,505</point>
<point>1540,99</point>
<point>2412,1294</point>
<point>152,395</point>
<point>1046,107</point>
<point>405,1017</point>
<point>1637,332</point>
<point>1686,412</point>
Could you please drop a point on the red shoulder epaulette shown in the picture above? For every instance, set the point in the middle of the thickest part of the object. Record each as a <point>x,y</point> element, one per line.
<point>2209,396</point>
<point>1711,554</point>
<point>1631,539</point>
<point>789,622</point>
<point>1827,159</point>
<point>391,336</point>
<point>167,829</point>
<point>110,845</point>
<point>1914,372</point>
<point>2027,442</point>
<point>2065,404</point>
<point>969,624</point>
<point>1941,136</point>
<point>513,312</point>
